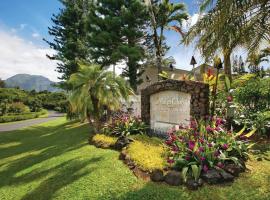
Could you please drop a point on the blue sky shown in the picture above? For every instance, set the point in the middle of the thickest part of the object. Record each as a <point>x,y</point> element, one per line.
<point>24,23</point>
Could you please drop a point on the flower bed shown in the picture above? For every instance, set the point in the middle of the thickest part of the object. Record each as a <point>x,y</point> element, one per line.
<point>206,150</point>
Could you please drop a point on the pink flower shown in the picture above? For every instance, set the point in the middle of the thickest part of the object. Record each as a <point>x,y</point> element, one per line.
<point>225,146</point>
<point>170,161</point>
<point>210,145</point>
<point>217,129</point>
<point>202,158</point>
<point>229,98</point>
<point>216,153</point>
<point>219,121</point>
<point>191,145</point>
<point>209,129</point>
<point>205,168</point>
<point>201,149</point>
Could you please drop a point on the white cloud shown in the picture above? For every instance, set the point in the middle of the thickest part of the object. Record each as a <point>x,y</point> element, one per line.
<point>22,26</point>
<point>35,35</point>
<point>20,56</point>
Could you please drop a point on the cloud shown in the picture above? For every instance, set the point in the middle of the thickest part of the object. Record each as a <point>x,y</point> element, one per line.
<point>22,26</point>
<point>35,35</point>
<point>20,56</point>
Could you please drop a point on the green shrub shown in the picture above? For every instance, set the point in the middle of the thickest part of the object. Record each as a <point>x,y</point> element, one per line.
<point>255,95</point>
<point>22,116</point>
<point>103,141</point>
<point>18,107</point>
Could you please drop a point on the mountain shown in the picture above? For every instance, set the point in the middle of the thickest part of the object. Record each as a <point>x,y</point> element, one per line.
<point>31,82</point>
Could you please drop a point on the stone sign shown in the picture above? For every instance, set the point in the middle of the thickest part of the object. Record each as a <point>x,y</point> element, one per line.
<point>168,108</point>
<point>168,103</point>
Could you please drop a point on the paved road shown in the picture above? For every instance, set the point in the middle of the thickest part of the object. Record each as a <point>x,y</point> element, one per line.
<point>22,124</point>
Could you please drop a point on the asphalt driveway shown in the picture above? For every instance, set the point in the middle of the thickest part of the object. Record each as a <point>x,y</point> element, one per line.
<point>23,124</point>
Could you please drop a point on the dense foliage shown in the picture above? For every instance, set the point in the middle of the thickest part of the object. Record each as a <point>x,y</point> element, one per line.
<point>95,92</point>
<point>125,125</point>
<point>16,101</point>
<point>203,146</point>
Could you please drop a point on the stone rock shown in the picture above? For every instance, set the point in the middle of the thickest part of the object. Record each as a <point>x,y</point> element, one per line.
<point>212,176</point>
<point>122,156</point>
<point>192,184</point>
<point>121,143</point>
<point>233,169</point>
<point>173,178</point>
<point>157,175</point>
<point>226,177</point>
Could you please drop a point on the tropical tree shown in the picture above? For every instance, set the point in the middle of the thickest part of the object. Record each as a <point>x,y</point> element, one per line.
<point>254,60</point>
<point>94,91</point>
<point>216,35</point>
<point>162,14</point>
<point>69,36</point>
<point>251,19</point>
<point>116,30</point>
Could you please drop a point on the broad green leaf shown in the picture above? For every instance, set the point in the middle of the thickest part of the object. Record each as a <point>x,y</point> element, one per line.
<point>184,173</point>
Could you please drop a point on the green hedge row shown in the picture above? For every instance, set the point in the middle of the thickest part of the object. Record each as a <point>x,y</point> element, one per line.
<point>23,116</point>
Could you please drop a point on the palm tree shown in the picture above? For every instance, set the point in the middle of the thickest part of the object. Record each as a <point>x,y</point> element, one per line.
<point>214,35</point>
<point>162,14</point>
<point>251,18</point>
<point>95,90</point>
<point>255,59</point>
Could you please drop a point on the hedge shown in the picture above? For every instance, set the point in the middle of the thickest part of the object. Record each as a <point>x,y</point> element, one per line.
<point>22,116</point>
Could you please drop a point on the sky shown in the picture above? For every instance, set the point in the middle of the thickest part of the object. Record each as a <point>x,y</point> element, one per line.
<point>24,24</point>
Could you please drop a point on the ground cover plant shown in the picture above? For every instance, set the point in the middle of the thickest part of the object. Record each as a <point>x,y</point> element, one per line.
<point>54,161</point>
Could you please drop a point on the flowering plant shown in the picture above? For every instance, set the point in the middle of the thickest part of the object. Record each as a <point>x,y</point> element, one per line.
<point>204,145</point>
<point>125,125</point>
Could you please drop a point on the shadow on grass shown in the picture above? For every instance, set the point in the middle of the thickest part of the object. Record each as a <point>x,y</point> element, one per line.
<point>26,161</point>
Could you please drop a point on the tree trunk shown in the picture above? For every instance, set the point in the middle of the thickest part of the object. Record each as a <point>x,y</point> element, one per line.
<point>158,52</point>
<point>227,63</point>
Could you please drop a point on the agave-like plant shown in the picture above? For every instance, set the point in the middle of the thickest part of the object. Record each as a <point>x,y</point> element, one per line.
<point>95,90</point>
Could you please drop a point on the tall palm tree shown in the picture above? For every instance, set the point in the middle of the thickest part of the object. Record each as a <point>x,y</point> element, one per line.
<point>250,17</point>
<point>93,90</point>
<point>254,60</point>
<point>162,14</point>
<point>215,35</point>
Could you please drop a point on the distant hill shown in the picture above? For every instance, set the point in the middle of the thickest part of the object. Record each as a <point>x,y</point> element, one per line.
<point>31,82</point>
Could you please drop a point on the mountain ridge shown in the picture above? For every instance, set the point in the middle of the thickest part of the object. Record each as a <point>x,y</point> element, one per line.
<point>31,82</point>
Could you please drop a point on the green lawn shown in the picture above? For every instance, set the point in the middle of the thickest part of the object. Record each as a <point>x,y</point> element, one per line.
<point>54,161</point>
